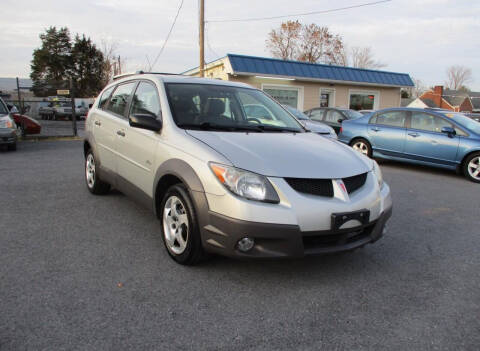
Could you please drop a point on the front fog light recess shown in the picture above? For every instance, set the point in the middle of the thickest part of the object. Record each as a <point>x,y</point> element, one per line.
<point>245,244</point>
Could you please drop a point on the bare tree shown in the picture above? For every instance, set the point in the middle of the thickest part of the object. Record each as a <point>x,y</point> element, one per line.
<point>458,76</point>
<point>113,65</point>
<point>418,89</point>
<point>318,44</point>
<point>283,42</point>
<point>362,57</point>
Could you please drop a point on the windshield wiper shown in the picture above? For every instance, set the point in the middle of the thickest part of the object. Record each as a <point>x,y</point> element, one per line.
<point>278,129</point>
<point>213,126</point>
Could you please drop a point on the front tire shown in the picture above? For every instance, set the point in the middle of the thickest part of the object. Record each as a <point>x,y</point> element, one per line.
<point>179,226</point>
<point>362,145</point>
<point>471,167</point>
<point>94,184</point>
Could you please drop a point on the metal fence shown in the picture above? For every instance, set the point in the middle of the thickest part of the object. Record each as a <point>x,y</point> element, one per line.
<point>49,117</point>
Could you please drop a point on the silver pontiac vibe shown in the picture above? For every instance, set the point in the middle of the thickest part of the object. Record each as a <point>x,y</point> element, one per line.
<point>224,178</point>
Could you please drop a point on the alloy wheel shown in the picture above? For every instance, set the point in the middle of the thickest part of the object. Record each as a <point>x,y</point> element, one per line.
<point>361,147</point>
<point>474,168</point>
<point>90,171</point>
<point>175,225</point>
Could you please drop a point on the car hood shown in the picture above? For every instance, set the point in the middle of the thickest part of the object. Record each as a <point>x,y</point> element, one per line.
<point>299,155</point>
<point>317,127</point>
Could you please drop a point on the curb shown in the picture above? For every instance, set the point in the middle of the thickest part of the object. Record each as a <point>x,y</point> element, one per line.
<point>51,138</point>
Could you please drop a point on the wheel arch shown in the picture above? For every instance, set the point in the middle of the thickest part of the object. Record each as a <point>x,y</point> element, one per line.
<point>467,155</point>
<point>172,172</point>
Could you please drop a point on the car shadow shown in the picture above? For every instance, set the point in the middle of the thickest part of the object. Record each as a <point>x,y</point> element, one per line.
<point>419,168</point>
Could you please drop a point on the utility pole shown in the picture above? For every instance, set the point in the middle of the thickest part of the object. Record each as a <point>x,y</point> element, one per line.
<point>119,66</point>
<point>201,38</point>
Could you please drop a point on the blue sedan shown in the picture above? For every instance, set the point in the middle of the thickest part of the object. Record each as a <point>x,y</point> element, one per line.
<point>438,138</point>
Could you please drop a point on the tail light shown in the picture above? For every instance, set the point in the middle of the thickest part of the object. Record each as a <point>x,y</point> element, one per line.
<point>341,130</point>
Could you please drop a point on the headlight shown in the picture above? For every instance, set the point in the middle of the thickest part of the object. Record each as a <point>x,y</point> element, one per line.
<point>246,184</point>
<point>378,173</point>
<point>6,123</point>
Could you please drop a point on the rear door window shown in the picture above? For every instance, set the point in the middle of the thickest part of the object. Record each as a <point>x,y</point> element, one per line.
<point>120,97</point>
<point>317,115</point>
<point>333,116</point>
<point>391,118</point>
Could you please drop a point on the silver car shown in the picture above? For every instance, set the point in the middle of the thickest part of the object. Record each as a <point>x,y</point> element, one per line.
<point>8,128</point>
<point>314,126</point>
<point>224,182</point>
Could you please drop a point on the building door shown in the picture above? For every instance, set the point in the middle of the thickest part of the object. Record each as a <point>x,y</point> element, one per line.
<point>327,98</point>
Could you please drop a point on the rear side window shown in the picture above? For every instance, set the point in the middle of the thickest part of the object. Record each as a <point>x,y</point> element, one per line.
<point>316,115</point>
<point>146,100</point>
<point>119,100</point>
<point>392,119</point>
<point>104,98</point>
<point>333,116</point>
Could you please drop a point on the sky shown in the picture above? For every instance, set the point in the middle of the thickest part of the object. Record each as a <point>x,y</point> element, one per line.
<point>418,37</point>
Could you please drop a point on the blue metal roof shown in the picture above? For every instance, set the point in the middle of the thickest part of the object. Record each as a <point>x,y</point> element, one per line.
<point>270,66</point>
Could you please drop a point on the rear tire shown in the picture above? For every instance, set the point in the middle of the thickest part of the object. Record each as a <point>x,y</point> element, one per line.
<point>179,227</point>
<point>94,184</point>
<point>362,145</point>
<point>471,167</point>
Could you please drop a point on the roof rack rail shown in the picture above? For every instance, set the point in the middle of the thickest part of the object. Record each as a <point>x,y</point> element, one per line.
<point>142,72</point>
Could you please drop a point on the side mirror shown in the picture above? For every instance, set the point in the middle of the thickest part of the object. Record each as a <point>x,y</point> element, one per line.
<point>145,121</point>
<point>450,131</point>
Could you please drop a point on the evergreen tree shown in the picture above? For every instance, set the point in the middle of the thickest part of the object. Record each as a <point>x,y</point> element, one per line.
<point>58,59</point>
<point>51,62</point>
<point>87,70</point>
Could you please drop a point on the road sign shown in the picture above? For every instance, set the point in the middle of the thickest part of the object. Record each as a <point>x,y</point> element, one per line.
<point>63,92</point>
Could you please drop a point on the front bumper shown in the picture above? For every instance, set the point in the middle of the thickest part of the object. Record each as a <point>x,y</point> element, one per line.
<point>222,233</point>
<point>8,136</point>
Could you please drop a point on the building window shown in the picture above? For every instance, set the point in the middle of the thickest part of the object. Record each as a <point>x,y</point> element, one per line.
<point>327,98</point>
<point>363,100</point>
<point>285,96</point>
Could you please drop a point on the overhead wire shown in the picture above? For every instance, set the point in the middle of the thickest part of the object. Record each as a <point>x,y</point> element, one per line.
<point>168,36</point>
<point>298,14</point>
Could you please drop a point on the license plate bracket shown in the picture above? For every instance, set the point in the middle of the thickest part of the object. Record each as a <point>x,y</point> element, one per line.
<point>339,219</point>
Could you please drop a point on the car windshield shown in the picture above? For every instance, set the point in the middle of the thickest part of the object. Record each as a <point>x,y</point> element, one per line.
<point>3,108</point>
<point>296,113</point>
<point>227,108</point>
<point>465,121</point>
<point>351,114</point>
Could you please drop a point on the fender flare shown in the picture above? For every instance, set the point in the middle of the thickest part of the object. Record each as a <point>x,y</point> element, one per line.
<point>183,171</point>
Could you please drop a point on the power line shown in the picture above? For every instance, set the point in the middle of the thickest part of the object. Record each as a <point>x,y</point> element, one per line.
<point>298,14</point>
<point>168,35</point>
<point>208,42</point>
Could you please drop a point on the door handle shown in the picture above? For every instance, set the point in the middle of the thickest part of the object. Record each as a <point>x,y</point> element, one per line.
<point>376,129</point>
<point>414,134</point>
<point>97,123</point>
<point>121,133</point>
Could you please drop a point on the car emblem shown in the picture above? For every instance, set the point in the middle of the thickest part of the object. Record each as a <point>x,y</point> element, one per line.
<point>340,190</point>
<point>342,185</point>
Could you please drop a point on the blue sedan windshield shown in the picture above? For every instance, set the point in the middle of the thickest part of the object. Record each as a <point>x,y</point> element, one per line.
<point>465,121</point>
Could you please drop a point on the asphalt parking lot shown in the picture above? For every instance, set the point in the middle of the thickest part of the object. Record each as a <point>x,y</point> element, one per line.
<point>90,273</point>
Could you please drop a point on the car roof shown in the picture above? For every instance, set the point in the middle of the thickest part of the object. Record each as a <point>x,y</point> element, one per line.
<point>178,78</point>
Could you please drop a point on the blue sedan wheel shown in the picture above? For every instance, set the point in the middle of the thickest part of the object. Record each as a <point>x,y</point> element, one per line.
<point>472,167</point>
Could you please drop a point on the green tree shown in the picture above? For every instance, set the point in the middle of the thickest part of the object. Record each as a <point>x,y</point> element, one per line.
<point>88,64</point>
<point>51,62</point>
<point>58,60</point>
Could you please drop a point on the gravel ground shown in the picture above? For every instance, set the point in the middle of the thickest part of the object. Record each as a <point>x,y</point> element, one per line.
<point>80,272</point>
